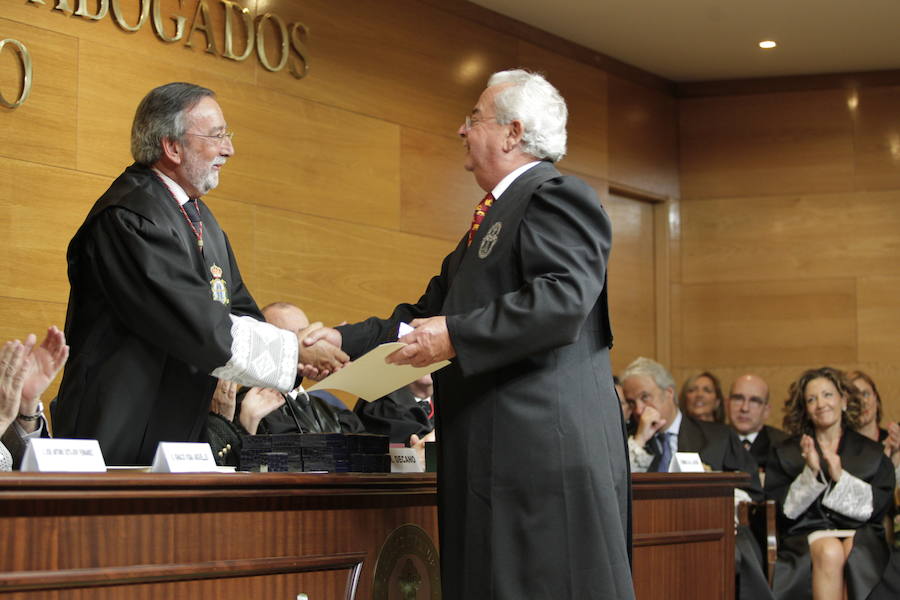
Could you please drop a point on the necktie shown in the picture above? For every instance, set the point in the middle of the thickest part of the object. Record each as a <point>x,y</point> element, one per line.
<point>666,455</point>
<point>478,216</point>
<point>747,445</point>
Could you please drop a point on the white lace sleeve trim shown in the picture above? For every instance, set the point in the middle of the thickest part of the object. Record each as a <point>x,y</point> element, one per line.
<point>850,496</point>
<point>639,457</point>
<point>5,459</point>
<point>262,355</point>
<point>803,492</point>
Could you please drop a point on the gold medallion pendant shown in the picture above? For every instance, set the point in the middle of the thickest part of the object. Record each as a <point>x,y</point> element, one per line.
<point>218,286</point>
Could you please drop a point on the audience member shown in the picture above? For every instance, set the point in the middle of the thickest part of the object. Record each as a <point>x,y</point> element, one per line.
<point>662,429</point>
<point>157,308</point>
<point>748,410</point>
<point>26,371</point>
<point>833,487</point>
<point>401,414</point>
<point>701,398</point>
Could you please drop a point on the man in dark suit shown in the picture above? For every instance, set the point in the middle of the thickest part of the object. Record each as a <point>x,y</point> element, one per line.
<point>747,409</point>
<point>533,482</point>
<point>663,429</point>
<point>401,414</point>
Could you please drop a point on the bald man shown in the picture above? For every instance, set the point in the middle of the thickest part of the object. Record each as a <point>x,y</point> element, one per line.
<point>748,408</point>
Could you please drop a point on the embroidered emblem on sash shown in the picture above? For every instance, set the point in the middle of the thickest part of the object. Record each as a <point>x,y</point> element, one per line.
<point>218,286</point>
<point>490,238</point>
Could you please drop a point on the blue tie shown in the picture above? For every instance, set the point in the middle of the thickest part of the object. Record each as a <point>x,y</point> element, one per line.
<point>666,454</point>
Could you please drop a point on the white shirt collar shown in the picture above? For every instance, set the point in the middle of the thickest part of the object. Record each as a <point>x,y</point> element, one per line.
<point>749,436</point>
<point>507,181</point>
<point>675,427</point>
<point>180,195</point>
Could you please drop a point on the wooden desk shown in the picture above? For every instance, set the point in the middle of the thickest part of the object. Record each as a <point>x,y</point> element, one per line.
<point>259,536</point>
<point>273,536</point>
<point>684,535</point>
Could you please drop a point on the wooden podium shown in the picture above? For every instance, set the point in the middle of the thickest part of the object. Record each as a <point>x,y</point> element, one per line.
<point>276,536</point>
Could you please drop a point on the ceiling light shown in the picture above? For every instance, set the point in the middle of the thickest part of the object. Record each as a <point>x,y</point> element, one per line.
<point>767,44</point>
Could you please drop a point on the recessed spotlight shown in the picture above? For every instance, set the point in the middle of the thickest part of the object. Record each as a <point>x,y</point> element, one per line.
<point>767,44</point>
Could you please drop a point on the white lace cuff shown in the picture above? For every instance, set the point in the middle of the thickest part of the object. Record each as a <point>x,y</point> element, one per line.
<point>803,492</point>
<point>640,459</point>
<point>5,459</point>
<point>850,496</point>
<point>262,355</point>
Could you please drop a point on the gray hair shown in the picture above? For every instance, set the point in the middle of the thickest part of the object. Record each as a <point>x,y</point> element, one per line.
<point>646,367</point>
<point>161,114</point>
<point>531,100</point>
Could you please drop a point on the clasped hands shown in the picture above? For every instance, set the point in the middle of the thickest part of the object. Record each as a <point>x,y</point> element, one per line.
<point>428,343</point>
<point>319,351</point>
<point>811,456</point>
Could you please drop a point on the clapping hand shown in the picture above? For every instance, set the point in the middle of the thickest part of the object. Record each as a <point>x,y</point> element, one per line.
<point>224,399</point>
<point>892,443</point>
<point>809,453</point>
<point>12,377</point>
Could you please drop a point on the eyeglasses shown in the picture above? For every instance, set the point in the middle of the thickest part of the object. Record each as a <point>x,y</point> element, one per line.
<point>219,137</point>
<point>470,122</point>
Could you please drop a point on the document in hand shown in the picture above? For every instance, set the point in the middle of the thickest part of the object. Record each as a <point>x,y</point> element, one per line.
<point>370,378</point>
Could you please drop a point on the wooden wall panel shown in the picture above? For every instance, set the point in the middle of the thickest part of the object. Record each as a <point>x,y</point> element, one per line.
<point>437,194</point>
<point>339,271</point>
<point>766,144</point>
<point>632,286</point>
<point>430,80</point>
<point>879,320</point>
<point>643,138</point>
<point>790,237</point>
<point>769,322</point>
<point>43,128</point>
<point>877,138</point>
<point>584,89</point>
<point>41,208</point>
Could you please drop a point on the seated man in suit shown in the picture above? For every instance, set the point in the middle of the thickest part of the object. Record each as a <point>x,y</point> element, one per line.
<point>266,410</point>
<point>748,408</point>
<point>662,429</point>
<point>401,414</point>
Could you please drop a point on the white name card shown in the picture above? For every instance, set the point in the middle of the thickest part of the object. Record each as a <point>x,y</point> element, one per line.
<point>404,460</point>
<point>686,462</point>
<point>49,455</point>
<point>183,457</point>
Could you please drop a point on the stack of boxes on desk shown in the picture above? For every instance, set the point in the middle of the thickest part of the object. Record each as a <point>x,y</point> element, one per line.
<point>331,452</point>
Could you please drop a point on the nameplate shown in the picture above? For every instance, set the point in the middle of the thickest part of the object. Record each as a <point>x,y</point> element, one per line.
<point>404,460</point>
<point>687,462</point>
<point>183,457</point>
<point>59,455</point>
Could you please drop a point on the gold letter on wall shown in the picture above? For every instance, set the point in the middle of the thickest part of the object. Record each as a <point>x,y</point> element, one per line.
<point>102,9</point>
<point>120,18</point>
<point>202,14</point>
<point>230,9</point>
<point>25,59</point>
<point>299,67</point>
<point>158,23</point>
<point>261,41</point>
<point>61,5</point>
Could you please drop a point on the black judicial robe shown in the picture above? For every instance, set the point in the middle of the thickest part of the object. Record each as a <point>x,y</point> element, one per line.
<point>397,415</point>
<point>533,476</point>
<point>861,457</point>
<point>142,325</point>
<point>762,445</point>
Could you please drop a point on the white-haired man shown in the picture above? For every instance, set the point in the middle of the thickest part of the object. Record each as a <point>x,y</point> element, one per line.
<point>533,470</point>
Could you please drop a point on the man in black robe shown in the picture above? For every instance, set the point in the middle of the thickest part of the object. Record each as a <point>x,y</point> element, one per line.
<point>533,480</point>
<point>157,307</point>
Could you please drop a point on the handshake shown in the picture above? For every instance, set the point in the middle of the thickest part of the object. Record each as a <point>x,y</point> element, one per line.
<point>319,355</point>
<point>320,351</point>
